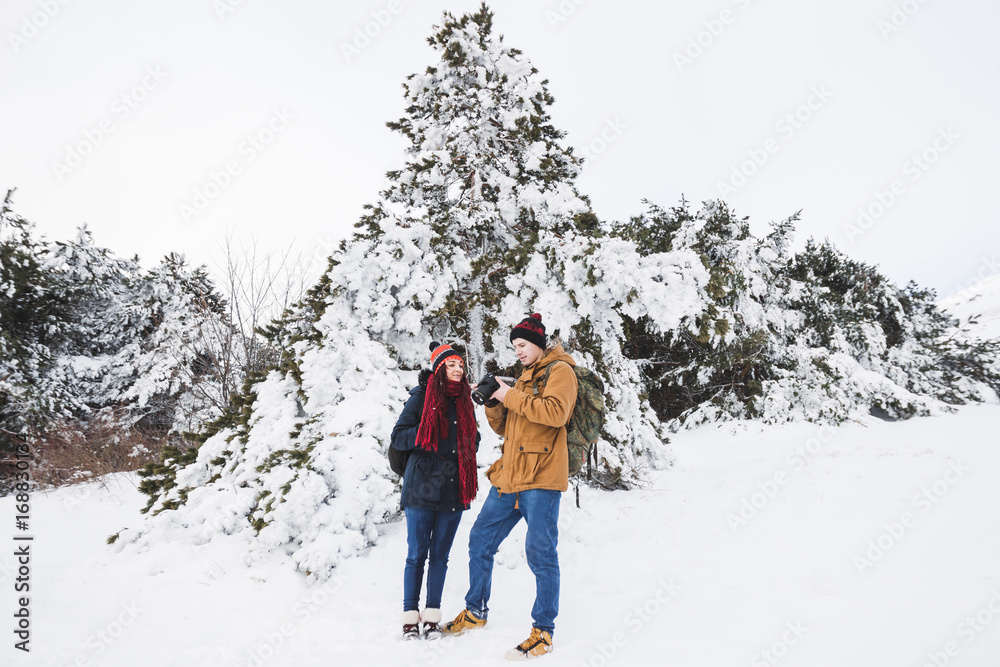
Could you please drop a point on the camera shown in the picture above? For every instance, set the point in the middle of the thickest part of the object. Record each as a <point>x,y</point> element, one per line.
<point>486,388</point>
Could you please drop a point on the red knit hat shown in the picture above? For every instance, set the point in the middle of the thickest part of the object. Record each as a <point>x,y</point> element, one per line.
<point>440,352</point>
<point>530,329</point>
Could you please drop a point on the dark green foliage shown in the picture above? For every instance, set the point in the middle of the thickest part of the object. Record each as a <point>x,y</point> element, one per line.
<point>84,334</point>
<point>773,320</point>
<point>159,478</point>
<point>32,316</point>
<point>717,353</point>
<point>845,295</point>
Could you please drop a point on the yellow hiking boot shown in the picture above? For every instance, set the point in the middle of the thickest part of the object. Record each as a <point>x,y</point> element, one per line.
<point>536,645</point>
<point>464,622</point>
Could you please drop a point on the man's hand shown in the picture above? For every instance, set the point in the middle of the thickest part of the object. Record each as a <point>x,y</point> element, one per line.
<point>501,392</point>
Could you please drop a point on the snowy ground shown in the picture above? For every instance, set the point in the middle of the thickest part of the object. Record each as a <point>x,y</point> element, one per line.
<point>870,544</point>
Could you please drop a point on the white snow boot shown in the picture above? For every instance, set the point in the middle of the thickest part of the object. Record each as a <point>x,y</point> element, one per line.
<point>411,625</point>
<point>430,618</point>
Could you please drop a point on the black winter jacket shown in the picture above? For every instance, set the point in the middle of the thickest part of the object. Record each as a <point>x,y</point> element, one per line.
<point>430,480</point>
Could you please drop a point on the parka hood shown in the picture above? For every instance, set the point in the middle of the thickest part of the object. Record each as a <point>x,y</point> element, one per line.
<point>422,378</point>
<point>551,355</point>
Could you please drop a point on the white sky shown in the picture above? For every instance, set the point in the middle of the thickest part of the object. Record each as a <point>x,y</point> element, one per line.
<point>200,77</point>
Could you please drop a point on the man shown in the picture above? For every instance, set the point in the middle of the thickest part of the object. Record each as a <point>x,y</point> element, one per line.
<point>528,481</point>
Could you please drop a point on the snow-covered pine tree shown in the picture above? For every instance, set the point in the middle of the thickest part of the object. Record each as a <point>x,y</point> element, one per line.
<point>719,359</point>
<point>170,323</point>
<point>55,299</point>
<point>136,341</point>
<point>90,284</point>
<point>488,171</point>
<point>28,312</point>
<point>857,324</point>
<point>86,334</point>
<point>479,227</point>
<point>813,336</point>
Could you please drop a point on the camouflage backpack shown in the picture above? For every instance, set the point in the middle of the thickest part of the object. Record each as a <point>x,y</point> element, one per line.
<point>584,426</point>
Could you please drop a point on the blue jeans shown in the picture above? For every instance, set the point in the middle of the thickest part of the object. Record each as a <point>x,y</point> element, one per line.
<point>428,533</point>
<point>540,509</point>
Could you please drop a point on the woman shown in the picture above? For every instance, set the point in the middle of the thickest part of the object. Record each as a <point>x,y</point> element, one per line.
<point>438,426</point>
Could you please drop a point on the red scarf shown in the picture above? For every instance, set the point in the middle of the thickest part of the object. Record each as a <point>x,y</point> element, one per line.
<point>434,426</point>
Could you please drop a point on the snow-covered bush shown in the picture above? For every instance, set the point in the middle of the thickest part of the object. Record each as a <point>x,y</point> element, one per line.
<point>811,336</point>
<point>85,335</point>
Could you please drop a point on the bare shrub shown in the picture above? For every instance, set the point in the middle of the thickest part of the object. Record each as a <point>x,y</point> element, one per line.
<point>69,452</point>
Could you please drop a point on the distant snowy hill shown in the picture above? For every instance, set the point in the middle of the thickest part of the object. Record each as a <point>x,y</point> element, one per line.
<point>982,300</point>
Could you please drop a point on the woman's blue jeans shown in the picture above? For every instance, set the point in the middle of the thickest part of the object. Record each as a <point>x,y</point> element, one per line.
<point>429,536</point>
<point>499,515</point>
